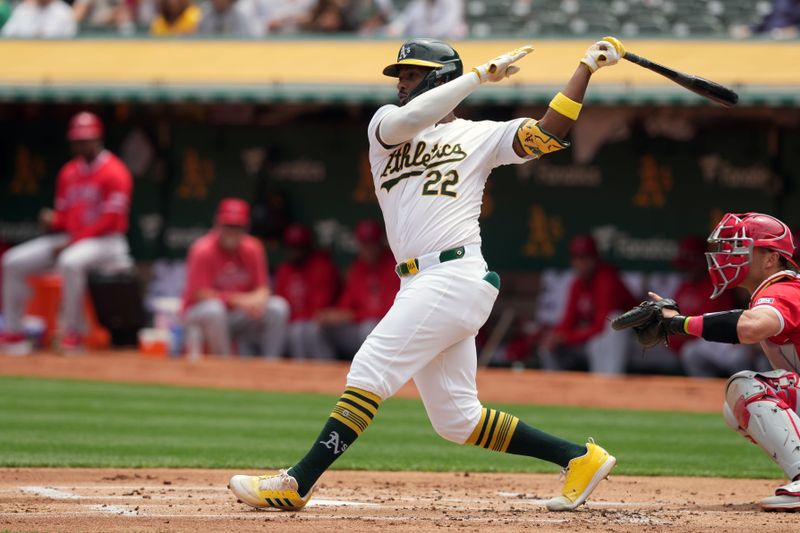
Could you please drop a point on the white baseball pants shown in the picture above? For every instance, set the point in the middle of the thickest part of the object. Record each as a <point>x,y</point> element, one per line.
<point>221,326</point>
<point>38,255</point>
<point>429,335</point>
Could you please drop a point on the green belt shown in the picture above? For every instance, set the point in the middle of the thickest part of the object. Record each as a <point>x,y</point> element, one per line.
<point>411,266</point>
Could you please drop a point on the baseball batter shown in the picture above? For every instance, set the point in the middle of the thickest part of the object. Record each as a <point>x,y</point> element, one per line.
<point>754,251</point>
<point>429,170</point>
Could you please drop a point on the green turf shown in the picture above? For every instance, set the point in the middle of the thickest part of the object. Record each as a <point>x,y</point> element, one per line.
<point>81,423</point>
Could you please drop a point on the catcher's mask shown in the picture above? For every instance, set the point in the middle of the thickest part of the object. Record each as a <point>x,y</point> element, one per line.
<point>440,57</point>
<point>732,243</point>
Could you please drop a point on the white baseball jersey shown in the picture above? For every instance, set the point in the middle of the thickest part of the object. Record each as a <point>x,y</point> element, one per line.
<point>430,188</point>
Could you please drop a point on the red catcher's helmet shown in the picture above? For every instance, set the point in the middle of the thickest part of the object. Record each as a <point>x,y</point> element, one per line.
<point>733,241</point>
<point>85,126</point>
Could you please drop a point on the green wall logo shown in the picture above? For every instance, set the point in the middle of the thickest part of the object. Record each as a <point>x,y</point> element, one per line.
<point>28,172</point>
<point>198,175</point>
<point>655,181</point>
<point>544,231</point>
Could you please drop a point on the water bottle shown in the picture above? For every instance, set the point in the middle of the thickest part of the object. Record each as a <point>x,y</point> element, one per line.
<point>194,343</point>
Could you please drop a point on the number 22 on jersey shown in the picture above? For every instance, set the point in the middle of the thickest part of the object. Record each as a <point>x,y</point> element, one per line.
<point>438,184</point>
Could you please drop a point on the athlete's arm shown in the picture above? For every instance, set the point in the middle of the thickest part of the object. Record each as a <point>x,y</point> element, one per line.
<point>546,134</point>
<point>402,123</point>
<point>757,324</point>
<point>750,326</point>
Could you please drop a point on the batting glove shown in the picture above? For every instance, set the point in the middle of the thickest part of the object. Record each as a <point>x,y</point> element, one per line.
<point>603,53</point>
<point>501,66</point>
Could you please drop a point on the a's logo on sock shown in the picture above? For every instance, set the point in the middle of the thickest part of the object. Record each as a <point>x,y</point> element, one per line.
<point>333,443</point>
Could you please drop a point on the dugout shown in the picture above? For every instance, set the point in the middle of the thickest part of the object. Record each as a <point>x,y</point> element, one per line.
<point>282,123</point>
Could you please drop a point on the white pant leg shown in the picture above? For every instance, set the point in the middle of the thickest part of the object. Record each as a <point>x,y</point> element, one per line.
<point>448,390</point>
<point>19,262</point>
<point>435,309</point>
<point>702,358</point>
<point>211,317</point>
<point>764,407</point>
<point>265,335</point>
<point>306,341</point>
<point>276,318</point>
<point>348,338</point>
<point>607,352</point>
<point>73,264</point>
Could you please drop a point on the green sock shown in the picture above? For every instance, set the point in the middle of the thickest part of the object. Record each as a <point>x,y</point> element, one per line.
<point>503,432</point>
<point>350,417</point>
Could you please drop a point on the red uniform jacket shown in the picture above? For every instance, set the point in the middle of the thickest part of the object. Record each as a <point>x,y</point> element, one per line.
<point>93,200</point>
<point>369,290</point>
<point>781,294</point>
<point>693,299</point>
<point>590,302</point>
<point>308,287</point>
<point>211,267</point>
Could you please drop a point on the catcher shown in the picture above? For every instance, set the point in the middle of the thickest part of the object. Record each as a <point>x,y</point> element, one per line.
<point>754,251</point>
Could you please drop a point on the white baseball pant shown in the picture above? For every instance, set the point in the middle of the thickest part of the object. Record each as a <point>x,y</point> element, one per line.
<point>72,264</point>
<point>429,335</point>
<point>253,336</point>
<point>764,407</point>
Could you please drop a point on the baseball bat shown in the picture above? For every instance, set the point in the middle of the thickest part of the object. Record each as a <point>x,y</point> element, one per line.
<point>706,88</point>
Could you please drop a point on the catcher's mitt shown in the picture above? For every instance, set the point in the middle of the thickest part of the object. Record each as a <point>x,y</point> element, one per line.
<point>647,320</point>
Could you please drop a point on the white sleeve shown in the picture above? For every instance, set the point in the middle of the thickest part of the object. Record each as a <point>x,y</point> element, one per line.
<point>501,142</point>
<point>372,130</point>
<point>403,123</point>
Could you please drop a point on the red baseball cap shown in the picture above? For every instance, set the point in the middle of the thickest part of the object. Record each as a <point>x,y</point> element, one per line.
<point>583,246</point>
<point>233,212</point>
<point>85,126</point>
<point>297,235</point>
<point>369,230</point>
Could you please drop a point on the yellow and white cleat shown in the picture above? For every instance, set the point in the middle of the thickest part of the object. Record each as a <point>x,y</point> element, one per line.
<point>278,491</point>
<point>582,475</point>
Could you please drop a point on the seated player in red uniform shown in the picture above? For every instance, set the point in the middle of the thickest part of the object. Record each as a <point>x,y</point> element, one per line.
<point>86,230</point>
<point>309,281</point>
<point>584,337</point>
<point>227,295</point>
<point>369,291</point>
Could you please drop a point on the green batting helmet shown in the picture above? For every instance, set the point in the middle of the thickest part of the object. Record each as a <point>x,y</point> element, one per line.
<point>440,57</point>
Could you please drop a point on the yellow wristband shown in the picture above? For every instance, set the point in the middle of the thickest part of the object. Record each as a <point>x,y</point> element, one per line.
<point>566,106</point>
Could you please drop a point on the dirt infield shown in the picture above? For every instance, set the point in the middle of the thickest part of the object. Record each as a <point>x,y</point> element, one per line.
<point>197,500</point>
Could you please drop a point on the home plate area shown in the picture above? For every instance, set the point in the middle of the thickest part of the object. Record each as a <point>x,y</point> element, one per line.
<point>198,500</point>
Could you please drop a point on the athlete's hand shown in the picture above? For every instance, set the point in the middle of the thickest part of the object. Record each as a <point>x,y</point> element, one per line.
<point>666,311</point>
<point>47,217</point>
<point>502,66</point>
<point>603,53</point>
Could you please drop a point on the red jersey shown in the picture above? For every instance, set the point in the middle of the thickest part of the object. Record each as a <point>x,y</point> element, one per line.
<point>369,290</point>
<point>309,286</point>
<point>693,297</point>
<point>781,294</point>
<point>210,266</point>
<point>93,199</point>
<point>590,302</point>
